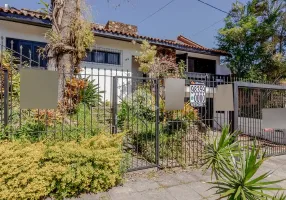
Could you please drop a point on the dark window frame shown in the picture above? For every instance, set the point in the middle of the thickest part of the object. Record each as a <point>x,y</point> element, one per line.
<point>91,57</point>
<point>34,46</point>
<point>192,64</point>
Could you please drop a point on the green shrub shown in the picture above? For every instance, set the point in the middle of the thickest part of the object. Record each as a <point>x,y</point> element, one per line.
<point>91,95</point>
<point>140,105</point>
<point>60,169</point>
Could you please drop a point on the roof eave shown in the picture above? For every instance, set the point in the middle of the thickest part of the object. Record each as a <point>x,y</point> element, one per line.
<point>44,23</point>
<point>122,37</point>
<point>25,20</point>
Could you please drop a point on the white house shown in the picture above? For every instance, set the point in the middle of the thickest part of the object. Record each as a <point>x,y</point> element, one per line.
<point>113,54</point>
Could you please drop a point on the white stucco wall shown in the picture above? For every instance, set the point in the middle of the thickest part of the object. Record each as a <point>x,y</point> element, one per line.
<point>101,73</point>
<point>127,50</point>
<point>22,31</point>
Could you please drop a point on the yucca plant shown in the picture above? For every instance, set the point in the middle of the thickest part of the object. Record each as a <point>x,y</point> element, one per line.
<point>219,150</point>
<point>279,197</point>
<point>238,182</point>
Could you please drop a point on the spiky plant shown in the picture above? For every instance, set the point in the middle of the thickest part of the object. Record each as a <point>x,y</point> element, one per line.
<point>219,150</point>
<point>239,181</point>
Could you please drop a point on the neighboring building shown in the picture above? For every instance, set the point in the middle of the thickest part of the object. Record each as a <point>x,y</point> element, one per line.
<point>114,52</point>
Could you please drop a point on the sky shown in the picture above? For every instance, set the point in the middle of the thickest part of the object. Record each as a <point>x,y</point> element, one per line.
<point>190,18</point>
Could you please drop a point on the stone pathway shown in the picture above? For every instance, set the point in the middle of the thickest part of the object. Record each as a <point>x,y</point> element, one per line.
<point>177,184</point>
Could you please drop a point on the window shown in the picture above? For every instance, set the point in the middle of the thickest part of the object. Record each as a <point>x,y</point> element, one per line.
<point>104,57</point>
<point>201,65</point>
<point>29,48</point>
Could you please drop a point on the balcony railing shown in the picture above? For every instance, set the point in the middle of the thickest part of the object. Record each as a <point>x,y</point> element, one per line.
<point>211,80</point>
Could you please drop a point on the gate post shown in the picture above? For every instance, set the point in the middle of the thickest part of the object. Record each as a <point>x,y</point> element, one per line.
<point>114,106</point>
<point>6,98</point>
<point>157,113</point>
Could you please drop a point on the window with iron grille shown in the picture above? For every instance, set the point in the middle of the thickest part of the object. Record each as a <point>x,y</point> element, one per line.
<point>30,51</point>
<point>104,57</point>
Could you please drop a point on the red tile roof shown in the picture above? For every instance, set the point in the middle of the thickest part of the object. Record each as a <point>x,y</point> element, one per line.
<point>184,42</point>
<point>25,12</point>
<point>188,41</point>
<point>190,44</point>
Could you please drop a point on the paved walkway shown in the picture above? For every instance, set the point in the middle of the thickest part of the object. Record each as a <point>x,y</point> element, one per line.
<point>177,184</point>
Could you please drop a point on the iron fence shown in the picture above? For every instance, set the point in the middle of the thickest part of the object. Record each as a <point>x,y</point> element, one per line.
<point>117,100</point>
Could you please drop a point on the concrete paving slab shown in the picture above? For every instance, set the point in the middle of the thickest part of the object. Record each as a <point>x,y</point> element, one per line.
<point>167,180</point>
<point>184,192</point>
<point>159,194</point>
<point>187,177</point>
<point>121,192</point>
<point>203,189</point>
<point>144,185</point>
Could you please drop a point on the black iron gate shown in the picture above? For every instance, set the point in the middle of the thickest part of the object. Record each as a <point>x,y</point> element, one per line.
<point>156,137</point>
<point>135,111</point>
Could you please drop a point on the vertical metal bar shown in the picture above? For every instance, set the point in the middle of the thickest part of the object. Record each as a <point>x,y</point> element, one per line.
<point>157,121</point>
<point>6,98</point>
<point>1,81</point>
<point>235,105</point>
<point>11,81</point>
<point>21,65</point>
<point>30,58</point>
<point>114,106</point>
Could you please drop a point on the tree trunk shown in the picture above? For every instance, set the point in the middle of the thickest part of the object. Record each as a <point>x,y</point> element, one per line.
<point>59,56</point>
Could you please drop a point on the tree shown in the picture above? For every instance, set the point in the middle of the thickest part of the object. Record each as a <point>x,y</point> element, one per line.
<point>255,35</point>
<point>71,35</point>
<point>156,65</point>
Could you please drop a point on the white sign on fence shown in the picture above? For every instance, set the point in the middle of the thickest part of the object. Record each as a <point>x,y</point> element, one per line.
<point>198,94</point>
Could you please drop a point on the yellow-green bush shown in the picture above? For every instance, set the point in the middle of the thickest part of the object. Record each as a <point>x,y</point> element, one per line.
<point>62,169</point>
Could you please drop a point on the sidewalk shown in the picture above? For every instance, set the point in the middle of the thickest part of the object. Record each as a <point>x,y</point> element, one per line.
<point>177,184</point>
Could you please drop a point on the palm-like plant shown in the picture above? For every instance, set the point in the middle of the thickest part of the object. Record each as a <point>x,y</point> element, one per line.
<point>219,150</point>
<point>279,197</point>
<point>239,181</point>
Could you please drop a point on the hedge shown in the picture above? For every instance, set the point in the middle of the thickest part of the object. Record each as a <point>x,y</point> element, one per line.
<point>60,169</point>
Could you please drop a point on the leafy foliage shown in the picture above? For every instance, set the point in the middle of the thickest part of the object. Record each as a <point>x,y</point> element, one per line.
<point>61,169</point>
<point>91,95</point>
<point>146,57</point>
<point>239,181</point>
<point>80,35</point>
<point>79,90</point>
<point>136,117</point>
<point>157,66</point>
<point>140,105</point>
<point>235,169</point>
<point>8,62</point>
<point>255,35</point>
<point>219,151</point>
